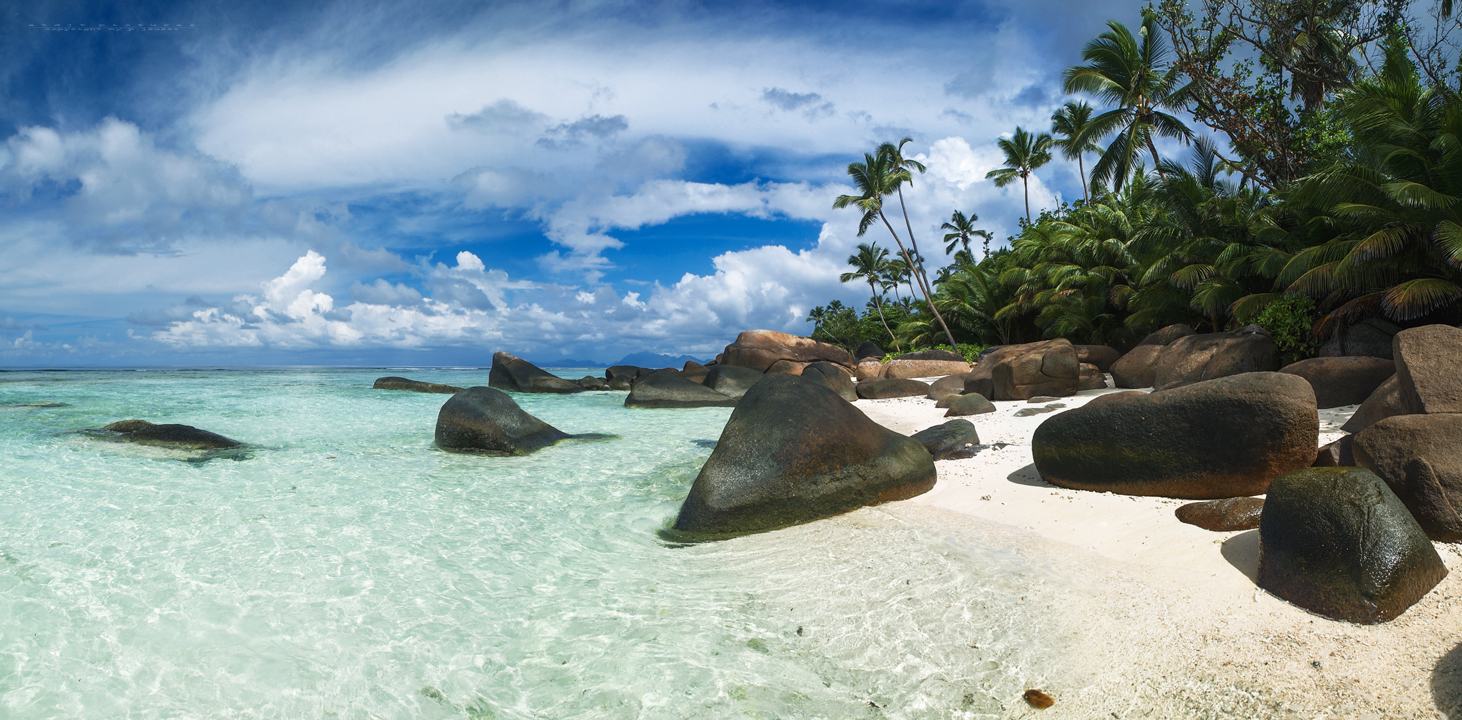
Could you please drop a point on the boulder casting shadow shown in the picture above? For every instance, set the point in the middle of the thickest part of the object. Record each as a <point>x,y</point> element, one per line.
<point>793,451</point>
<point>487,421</point>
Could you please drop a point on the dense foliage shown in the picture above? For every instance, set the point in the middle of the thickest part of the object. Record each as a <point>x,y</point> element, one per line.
<point>1342,200</point>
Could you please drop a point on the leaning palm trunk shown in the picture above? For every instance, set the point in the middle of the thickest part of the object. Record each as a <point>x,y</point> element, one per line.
<point>879,305</point>
<point>923,278</point>
<point>947,334</point>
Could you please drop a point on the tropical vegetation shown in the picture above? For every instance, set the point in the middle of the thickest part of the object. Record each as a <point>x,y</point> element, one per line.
<point>1322,189</point>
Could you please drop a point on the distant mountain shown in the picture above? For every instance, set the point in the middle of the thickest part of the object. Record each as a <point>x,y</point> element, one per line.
<point>656,360</point>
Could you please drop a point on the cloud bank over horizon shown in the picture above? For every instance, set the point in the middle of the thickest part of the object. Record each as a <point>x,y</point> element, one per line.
<point>599,182</point>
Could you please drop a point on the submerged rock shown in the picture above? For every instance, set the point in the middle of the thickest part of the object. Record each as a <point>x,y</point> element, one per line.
<point>670,389</point>
<point>185,437</point>
<point>1339,543</point>
<point>401,383</point>
<point>954,440</point>
<point>1221,438</point>
<point>1226,515</point>
<point>519,375</point>
<point>792,452</point>
<point>486,420</point>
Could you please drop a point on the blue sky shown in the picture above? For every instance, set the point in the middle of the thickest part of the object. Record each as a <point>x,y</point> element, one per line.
<point>261,183</point>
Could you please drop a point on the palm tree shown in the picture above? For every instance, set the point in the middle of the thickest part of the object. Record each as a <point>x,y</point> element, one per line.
<point>960,229</point>
<point>869,264</point>
<point>875,179</point>
<point>903,171</point>
<point>1069,125</point>
<point>1135,76</point>
<point>1023,154</point>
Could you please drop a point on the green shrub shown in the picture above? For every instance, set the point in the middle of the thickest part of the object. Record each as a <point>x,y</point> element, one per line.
<point>1288,321</point>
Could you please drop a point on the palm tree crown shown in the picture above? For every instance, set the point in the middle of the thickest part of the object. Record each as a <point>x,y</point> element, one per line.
<point>1135,76</point>
<point>870,263</point>
<point>1023,154</point>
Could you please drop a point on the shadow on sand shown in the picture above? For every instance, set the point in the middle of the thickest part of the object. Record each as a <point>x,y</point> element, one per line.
<point>1447,684</point>
<point>1242,552</point>
<point>1028,476</point>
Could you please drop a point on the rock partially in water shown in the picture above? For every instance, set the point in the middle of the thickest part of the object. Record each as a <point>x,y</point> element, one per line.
<point>792,452</point>
<point>401,383</point>
<point>1226,515</point>
<point>954,440</point>
<point>1339,543</point>
<point>182,437</point>
<point>670,389</point>
<point>486,420</point>
<point>589,382</point>
<point>518,375</point>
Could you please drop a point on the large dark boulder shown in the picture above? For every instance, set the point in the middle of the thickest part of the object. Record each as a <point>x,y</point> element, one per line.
<point>1429,368</point>
<point>518,375</point>
<point>869,349</point>
<point>1383,402</point>
<point>980,380</point>
<point>669,389</point>
<point>1101,356</point>
<point>760,349</point>
<point>589,382</point>
<point>621,382</point>
<point>1342,380</point>
<point>884,389</point>
<point>946,386</point>
<point>1138,367</point>
<point>836,377</point>
<point>965,405</point>
<point>1367,338</point>
<point>1043,368</point>
<point>486,420</point>
<point>953,440</point>
<point>1221,438</point>
<point>1226,515</point>
<point>629,372</point>
<point>1196,358</point>
<point>401,383</point>
<point>792,452</point>
<point>1340,453</point>
<point>1420,458</point>
<point>1338,542</point>
<point>730,380</point>
<point>185,437</point>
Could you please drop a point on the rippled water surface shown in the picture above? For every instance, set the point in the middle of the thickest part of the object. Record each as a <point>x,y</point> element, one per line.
<point>344,567</point>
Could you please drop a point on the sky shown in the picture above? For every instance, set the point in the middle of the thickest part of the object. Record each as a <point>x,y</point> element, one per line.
<point>196,183</point>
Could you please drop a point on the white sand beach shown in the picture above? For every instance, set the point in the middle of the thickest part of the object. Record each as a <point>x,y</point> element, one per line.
<point>1186,633</point>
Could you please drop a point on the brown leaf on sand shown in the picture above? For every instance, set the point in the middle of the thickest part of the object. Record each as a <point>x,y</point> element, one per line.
<point>1038,699</point>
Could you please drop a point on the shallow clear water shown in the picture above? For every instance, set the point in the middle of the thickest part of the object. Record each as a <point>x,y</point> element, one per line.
<point>344,567</point>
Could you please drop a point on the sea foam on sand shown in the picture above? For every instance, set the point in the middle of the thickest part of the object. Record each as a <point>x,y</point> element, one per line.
<point>1186,632</point>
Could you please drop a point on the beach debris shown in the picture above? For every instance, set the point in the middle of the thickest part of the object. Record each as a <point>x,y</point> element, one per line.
<point>1215,439</point>
<point>669,389</point>
<point>1418,456</point>
<point>793,452</point>
<point>1138,367</point>
<point>1383,402</point>
<point>401,383</point>
<point>885,389</point>
<point>837,377</point>
<point>973,404</point>
<point>1426,368</point>
<point>518,375</point>
<point>1038,700</point>
<point>1042,368</point>
<point>1339,543</point>
<point>1342,380</point>
<point>186,437</point>
<point>954,440</point>
<point>1226,515</point>
<point>486,420</point>
<point>731,380</point>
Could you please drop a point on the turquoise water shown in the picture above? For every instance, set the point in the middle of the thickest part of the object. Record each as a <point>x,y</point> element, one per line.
<point>345,568</point>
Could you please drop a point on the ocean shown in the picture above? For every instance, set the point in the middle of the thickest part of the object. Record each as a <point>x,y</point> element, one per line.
<point>341,566</point>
